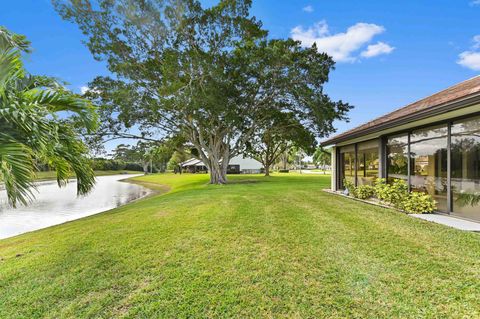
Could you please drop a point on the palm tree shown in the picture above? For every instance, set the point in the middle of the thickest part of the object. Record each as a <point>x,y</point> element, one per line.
<point>39,121</point>
<point>322,157</point>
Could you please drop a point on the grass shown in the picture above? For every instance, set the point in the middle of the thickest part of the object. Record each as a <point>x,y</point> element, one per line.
<point>321,171</point>
<point>273,247</point>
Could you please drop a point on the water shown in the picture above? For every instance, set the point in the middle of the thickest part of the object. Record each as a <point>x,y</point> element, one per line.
<point>54,205</point>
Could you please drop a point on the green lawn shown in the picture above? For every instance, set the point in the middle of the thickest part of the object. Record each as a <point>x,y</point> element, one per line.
<point>260,247</point>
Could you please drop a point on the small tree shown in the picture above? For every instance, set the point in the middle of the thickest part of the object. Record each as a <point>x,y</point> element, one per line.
<point>178,157</point>
<point>322,157</point>
<point>273,140</point>
<point>286,158</point>
<point>147,154</point>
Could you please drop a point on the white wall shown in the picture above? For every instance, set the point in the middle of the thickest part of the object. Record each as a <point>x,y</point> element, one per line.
<point>334,169</point>
<point>246,163</point>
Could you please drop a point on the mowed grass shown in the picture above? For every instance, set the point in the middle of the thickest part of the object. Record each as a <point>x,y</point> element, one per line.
<point>273,247</point>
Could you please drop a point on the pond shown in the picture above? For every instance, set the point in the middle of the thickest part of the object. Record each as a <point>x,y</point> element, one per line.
<point>53,205</point>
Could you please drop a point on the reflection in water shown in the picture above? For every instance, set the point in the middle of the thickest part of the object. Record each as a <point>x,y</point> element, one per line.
<point>53,205</point>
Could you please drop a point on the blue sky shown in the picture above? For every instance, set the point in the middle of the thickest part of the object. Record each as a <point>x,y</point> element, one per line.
<point>389,53</point>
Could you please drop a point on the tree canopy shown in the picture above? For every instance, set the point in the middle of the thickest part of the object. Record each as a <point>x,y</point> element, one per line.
<point>210,75</point>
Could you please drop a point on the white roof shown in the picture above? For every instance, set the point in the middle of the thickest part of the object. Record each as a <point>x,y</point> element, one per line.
<point>192,162</point>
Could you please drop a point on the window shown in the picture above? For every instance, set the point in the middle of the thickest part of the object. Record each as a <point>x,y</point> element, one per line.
<point>347,164</point>
<point>397,157</point>
<point>465,150</point>
<point>367,163</point>
<point>428,153</point>
<point>426,157</point>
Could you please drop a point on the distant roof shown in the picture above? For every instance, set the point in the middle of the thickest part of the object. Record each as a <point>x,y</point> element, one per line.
<point>244,162</point>
<point>192,162</point>
<point>441,101</point>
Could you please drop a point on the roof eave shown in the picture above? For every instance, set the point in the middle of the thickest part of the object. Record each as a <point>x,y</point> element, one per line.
<point>432,111</point>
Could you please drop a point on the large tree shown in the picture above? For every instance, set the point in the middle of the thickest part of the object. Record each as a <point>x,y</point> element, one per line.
<point>207,74</point>
<point>31,128</point>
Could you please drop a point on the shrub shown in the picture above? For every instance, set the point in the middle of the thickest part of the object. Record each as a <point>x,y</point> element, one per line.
<point>399,193</point>
<point>365,191</point>
<point>381,189</point>
<point>283,170</point>
<point>394,194</point>
<point>350,187</point>
<point>133,167</point>
<point>468,199</point>
<point>419,203</point>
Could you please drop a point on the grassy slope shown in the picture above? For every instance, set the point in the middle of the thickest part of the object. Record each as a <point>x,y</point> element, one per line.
<point>276,248</point>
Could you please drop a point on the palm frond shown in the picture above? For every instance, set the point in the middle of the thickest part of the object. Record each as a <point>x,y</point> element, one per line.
<point>468,199</point>
<point>16,170</point>
<point>10,40</point>
<point>11,68</point>
<point>30,125</point>
<point>60,100</point>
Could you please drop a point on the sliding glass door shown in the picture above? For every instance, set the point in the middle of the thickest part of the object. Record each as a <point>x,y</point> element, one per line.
<point>347,164</point>
<point>367,162</point>
<point>465,150</point>
<point>428,154</point>
<point>397,157</point>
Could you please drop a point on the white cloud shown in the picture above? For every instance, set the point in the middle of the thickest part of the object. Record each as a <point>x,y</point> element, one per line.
<point>377,49</point>
<point>470,59</point>
<point>308,9</point>
<point>475,3</point>
<point>476,42</point>
<point>341,46</point>
<point>83,89</point>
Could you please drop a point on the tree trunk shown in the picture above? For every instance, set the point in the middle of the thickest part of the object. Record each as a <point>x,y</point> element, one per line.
<point>267,169</point>
<point>145,168</point>
<point>284,161</point>
<point>218,175</point>
<point>213,150</point>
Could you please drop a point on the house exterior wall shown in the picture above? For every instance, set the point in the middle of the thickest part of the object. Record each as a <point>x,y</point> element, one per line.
<point>334,169</point>
<point>238,164</point>
<point>431,153</point>
<point>247,164</point>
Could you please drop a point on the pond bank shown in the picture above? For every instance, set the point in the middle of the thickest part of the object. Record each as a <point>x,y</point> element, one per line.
<point>53,205</point>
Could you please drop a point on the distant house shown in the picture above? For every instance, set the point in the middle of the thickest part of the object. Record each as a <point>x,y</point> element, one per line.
<point>432,144</point>
<point>237,165</point>
<point>193,165</point>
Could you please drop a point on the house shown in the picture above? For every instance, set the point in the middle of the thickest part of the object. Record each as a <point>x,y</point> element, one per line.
<point>432,144</point>
<point>193,165</point>
<point>237,165</point>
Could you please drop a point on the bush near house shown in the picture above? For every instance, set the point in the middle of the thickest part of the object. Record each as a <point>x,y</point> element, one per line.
<point>350,187</point>
<point>394,194</point>
<point>365,191</point>
<point>419,203</point>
